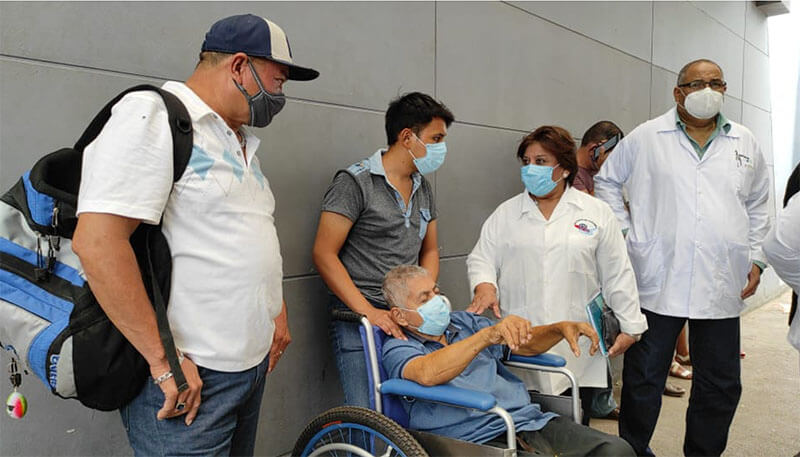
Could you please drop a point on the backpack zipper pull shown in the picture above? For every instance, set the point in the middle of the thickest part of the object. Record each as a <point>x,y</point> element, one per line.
<point>41,272</point>
<point>55,240</point>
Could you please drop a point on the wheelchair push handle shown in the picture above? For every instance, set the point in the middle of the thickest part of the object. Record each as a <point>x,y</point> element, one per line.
<point>346,316</point>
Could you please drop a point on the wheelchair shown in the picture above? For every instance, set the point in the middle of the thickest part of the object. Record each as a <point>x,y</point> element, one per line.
<point>381,431</point>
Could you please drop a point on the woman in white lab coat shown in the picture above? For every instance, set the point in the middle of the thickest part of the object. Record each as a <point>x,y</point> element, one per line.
<point>546,252</point>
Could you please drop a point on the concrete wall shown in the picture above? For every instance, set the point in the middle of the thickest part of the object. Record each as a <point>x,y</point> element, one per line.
<point>503,68</point>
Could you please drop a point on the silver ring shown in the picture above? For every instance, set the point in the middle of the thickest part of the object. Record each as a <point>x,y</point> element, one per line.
<point>180,406</point>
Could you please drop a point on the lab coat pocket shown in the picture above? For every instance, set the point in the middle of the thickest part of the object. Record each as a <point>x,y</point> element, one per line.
<point>648,264</point>
<point>424,219</point>
<point>744,181</point>
<point>732,276</point>
<point>581,255</point>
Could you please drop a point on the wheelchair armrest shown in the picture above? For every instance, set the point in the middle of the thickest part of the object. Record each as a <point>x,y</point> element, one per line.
<point>547,360</point>
<point>455,396</point>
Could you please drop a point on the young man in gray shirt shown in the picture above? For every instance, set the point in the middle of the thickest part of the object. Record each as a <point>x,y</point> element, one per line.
<point>377,214</point>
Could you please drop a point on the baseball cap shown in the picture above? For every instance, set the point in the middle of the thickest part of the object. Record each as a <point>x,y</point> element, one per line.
<point>256,37</point>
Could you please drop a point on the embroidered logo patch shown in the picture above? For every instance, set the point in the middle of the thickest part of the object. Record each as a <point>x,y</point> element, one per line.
<point>586,226</point>
<point>742,160</point>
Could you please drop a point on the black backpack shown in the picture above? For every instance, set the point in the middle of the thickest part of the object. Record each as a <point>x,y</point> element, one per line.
<point>51,321</point>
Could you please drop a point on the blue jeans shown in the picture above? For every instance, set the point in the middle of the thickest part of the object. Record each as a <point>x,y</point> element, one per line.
<point>602,402</point>
<point>350,360</point>
<point>226,423</point>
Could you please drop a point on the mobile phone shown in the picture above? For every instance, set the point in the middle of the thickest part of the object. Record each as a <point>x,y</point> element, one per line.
<point>607,146</point>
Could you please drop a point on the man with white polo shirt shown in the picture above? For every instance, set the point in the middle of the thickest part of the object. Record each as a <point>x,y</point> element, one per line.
<point>226,309</point>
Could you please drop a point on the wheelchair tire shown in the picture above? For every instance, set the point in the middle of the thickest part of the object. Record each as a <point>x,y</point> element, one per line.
<point>363,427</point>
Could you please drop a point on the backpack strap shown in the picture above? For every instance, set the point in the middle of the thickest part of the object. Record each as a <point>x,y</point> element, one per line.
<point>180,125</point>
<point>160,307</point>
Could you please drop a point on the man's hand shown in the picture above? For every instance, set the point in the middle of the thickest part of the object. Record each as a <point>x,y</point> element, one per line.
<point>175,403</point>
<point>383,319</point>
<point>485,297</point>
<point>571,331</point>
<point>621,344</point>
<point>753,279</point>
<point>512,331</point>
<point>280,339</point>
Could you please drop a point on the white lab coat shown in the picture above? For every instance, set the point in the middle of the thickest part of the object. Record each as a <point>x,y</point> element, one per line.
<point>782,248</point>
<point>548,270</point>
<point>695,226</point>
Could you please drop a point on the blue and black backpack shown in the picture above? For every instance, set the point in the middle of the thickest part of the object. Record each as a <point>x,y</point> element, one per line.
<point>49,318</point>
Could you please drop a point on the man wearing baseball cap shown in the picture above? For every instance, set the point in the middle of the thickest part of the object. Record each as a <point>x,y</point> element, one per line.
<point>226,308</point>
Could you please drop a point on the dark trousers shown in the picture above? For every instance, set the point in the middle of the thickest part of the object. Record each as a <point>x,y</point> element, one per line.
<point>716,382</point>
<point>587,396</point>
<point>564,437</point>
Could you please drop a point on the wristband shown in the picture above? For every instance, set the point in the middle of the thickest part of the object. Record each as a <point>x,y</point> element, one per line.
<point>162,378</point>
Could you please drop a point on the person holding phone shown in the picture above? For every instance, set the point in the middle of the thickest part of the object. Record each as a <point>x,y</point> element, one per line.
<point>545,253</point>
<point>598,141</point>
<point>596,145</point>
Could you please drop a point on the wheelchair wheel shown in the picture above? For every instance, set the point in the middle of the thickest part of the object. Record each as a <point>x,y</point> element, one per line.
<point>350,430</point>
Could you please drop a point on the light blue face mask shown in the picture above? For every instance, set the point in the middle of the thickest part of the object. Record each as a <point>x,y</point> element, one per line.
<point>435,315</point>
<point>538,179</point>
<point>434,157</point>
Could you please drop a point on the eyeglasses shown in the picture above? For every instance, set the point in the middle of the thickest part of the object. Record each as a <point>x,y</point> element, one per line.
<point>697,84</point>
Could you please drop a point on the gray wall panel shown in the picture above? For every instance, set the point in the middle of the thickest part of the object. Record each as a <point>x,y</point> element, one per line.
<point>756,77</point>
<point>481,172</point>
<point>756,32</point>
<point>682,33</point>
<point>662,99</point>
<point>521,71</point>
<point>729,14</point>
<point>453,281</point>
<point>40,112</point>
<point>306,381</point>
<point>760,123</point>
<point>356,57</point>
<point>300,152</point>
<point>622,25</point>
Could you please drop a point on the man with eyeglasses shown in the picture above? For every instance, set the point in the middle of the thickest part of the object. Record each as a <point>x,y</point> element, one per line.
<point>698,188</point>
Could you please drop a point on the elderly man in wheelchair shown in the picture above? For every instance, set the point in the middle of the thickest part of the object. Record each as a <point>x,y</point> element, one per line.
<point>462,355</point>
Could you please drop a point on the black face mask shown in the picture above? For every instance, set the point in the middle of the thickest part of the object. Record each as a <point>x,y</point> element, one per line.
<point>263,105</point>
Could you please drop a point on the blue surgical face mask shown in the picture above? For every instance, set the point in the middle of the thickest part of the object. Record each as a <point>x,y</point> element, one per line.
<point>434,157</point>
<point>538,179</point>
<point>435,315</point>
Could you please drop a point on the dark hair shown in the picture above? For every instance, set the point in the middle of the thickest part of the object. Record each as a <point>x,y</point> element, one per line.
<point>682,73</point>
<point>558,142</point>
<point>414,110</point>
<point>603,130</point>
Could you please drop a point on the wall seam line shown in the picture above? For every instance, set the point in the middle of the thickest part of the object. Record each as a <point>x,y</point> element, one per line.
<point>579,33</point>
<point>652,51</point>
<point>724,25</point>
<point>744,53</point>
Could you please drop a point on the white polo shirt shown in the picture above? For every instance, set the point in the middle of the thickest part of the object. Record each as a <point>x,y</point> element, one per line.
<point>218,220</point>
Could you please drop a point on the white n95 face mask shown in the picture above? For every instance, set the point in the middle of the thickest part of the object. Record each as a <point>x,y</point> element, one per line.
<point>703,104</point>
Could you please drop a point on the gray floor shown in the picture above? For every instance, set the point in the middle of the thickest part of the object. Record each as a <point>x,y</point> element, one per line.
<point>767,422</point>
